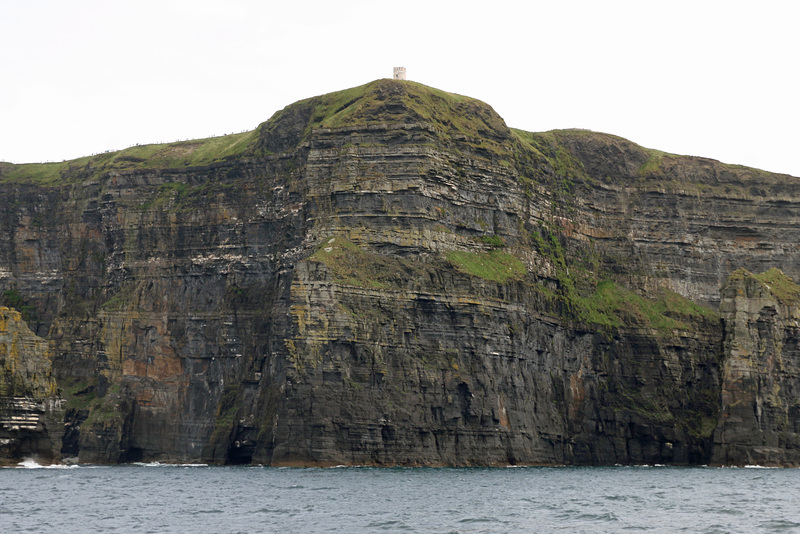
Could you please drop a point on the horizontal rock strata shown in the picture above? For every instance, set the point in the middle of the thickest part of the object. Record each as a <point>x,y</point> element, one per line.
<point>390,275</point>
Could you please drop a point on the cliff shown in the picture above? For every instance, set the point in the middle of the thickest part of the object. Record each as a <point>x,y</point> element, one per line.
<point>390,275</point>
<point>759,421</point>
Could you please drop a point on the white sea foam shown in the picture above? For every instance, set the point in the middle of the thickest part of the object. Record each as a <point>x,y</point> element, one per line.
<point>159,464</point>
<point>30,463</point>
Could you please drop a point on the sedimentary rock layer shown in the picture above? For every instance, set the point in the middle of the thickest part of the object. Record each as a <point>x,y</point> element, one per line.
<point>391,275</point>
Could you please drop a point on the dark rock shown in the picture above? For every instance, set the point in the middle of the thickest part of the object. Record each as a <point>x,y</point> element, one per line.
<point>390,275</point>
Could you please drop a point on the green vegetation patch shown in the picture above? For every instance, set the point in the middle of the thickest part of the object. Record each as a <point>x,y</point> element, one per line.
<point>588,296</point>
<point>178,196</point>
<point>38,173</point>
<point>674,305</point>
<point>200,152</point>
<point>120,300</point>
<point>542,158</point>
<point>14,299</point>
<point>103,411</point>
<point>386,99</point>
<point>653,164</point>
<point>227,414</point>
<point>781,286</point>
<point>495,265</point>
<point>551,146</point>
<point>614,306</point>
<point>453,117</point>
<point>352,265</point>
<point>81,395</point>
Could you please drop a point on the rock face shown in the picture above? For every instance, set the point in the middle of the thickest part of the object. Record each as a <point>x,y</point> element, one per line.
<point>31,418</point>
<point>761,407</point>
<point>390,275</point>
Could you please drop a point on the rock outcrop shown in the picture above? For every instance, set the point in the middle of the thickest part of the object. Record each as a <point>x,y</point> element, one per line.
<point>760,418</point>
<point>31,418</point>
<point>390,275</point>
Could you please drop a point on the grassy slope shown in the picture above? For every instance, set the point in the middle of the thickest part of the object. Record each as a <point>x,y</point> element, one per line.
<point>378,102</point>
<point>194,153</point>
<point>780,286</point>
<point>385,100</point>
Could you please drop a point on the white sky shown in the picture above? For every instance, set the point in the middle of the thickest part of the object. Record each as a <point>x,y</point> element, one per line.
<point>708,78</point>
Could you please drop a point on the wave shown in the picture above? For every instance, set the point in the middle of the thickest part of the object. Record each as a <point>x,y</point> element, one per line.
<point>159,464</point>
<point>30,463</point>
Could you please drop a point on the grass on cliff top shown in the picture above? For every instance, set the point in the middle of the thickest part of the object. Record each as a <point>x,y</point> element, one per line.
<point>780,286</point>
<point>393,101</point>
<point>196,153</point>
<point>554,145</point>
<point>535,149</point>
<point>378,102</point>
<point>568,150</point>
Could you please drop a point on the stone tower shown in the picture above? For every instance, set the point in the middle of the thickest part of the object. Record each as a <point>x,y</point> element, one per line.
<point>399,73</point>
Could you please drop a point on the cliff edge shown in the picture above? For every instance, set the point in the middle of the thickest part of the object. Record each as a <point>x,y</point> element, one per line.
<point>389,275</point>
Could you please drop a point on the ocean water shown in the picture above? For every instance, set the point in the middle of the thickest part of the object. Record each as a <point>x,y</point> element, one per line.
<point>199,499</point>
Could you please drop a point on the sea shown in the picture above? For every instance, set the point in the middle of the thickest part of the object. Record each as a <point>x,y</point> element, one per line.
<point>155,498</point>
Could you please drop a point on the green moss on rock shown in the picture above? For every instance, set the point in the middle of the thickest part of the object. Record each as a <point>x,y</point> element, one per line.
<point>780,286</point>
<point>774,281</point>
<point>494,265</point>
<point>353,265</point>
<point>612,305</point>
